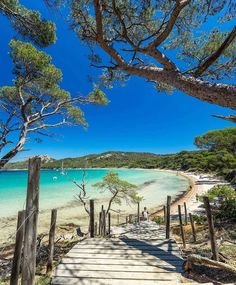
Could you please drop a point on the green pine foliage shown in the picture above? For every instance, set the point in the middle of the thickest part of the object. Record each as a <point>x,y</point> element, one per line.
<point>28,23</point>
<point>37,84</point>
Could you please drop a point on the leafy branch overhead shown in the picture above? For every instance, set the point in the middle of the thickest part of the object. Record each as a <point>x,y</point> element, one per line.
<point>36,102</point>
<point>170,43</point>
<point>29,23</point>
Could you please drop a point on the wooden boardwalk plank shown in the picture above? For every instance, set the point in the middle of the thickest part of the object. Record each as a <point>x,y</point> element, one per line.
<point>119,268</point>
<point>144,262</point>
<point>117,250</point>
<point>149,255</point>
<point>128,260</point>
<point>117,275</point>
<point>127,246</point>
<point>90,281</point>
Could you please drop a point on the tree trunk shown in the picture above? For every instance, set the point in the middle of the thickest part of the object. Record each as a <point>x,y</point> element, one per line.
<point>18,147</point>
<point>221,94</point>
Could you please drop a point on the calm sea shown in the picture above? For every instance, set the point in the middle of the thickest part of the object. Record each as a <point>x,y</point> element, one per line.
<point>57,189</point>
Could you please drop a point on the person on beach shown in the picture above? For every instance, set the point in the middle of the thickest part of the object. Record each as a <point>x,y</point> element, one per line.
<point>145,214</point>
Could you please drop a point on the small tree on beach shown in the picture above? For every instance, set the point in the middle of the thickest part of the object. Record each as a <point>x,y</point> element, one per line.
<point>36,102</point>
<point>82,197</point>
<point>120,190</point>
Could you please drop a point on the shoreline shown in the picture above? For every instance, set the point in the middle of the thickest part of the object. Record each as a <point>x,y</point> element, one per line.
<point>74,213</point>
<point>180,199</point>
<point>201,183</point>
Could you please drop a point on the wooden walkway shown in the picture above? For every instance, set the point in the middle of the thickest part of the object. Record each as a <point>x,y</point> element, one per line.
<point>141,256</point>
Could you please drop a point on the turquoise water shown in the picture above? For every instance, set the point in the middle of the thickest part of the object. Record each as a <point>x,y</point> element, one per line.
<point>58,190</point>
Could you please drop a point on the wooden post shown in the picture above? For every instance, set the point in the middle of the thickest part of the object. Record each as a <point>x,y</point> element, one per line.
<point>168,217</point>
<point>138,220</point>
<point>130,218</point>
<point>193,227</point>
<point>100,224</point>
<point>104,222</point>
<point>15,271</point>
<point>96,228</point>
<point>127,220</point>
<point>185,214</point>
<point>164,213</point>
<point>32,208</point>
<point>91,219</point>
<point>211,228</point>
<point>118,219</point>
<point>109,223</point>
<point>181,227</point>
<point>51,240</point>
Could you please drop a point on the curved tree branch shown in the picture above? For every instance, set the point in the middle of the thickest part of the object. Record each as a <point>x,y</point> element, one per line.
<point>213,57</point>
<point>230,118</point>
<point>173,17</point>
<point>217,93</point>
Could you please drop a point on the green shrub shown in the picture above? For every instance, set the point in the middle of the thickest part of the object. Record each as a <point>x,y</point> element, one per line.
<point>44,280</point>
<point>221,192</point>
<point>199,219</point>
<point>223,199</point>
<point>159,220</point>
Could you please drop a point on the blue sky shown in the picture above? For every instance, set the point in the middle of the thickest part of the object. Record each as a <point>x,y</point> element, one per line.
<point>138,118</point>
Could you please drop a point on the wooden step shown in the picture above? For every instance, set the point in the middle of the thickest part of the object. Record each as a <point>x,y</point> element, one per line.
<point>127,261</point>
<point>128,246</point>
<point>117,250</point>
<point>121,261</point>
<point>158,276</point>
<point>119,268</point>
<point>144,256</point>
<point>90,281</point>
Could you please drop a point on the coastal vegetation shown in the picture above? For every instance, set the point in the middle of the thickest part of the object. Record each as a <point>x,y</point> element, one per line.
<point>223,201</point>
<point>217,155</point>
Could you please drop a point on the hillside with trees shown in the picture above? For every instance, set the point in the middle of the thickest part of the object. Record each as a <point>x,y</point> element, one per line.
<point>217,155</point>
